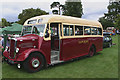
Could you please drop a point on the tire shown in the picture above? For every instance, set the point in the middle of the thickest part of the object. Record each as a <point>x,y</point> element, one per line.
<point>34,63</point>
<point>109,45</point>
<point>92,51</point>
<point>10,63</point>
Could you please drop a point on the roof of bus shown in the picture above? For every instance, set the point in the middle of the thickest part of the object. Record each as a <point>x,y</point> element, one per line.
<point>64,19</point>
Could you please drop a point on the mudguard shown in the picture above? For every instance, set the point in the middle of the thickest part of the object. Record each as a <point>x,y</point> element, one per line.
<point>22,56</point>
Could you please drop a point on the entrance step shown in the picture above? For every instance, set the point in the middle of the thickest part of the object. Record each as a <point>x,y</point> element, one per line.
<point>55,56</point>
<point>55,62</point>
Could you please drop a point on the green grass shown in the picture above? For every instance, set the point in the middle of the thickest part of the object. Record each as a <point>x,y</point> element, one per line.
<point>0,66</point>
<point>102,65</point>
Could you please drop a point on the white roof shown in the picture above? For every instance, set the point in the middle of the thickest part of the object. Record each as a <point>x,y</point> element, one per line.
<point>63,19</point>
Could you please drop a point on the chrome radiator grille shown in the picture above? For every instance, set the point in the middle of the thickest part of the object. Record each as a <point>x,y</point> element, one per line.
<point>12,48</point>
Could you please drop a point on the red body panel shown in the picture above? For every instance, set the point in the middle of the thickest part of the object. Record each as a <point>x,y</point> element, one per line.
<point>69,48</point>
<point>76,47</point>
<point>46,48</point>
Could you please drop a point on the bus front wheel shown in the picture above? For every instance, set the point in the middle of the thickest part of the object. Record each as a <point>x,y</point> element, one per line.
<point>34,63</point>
<point>92,51</point>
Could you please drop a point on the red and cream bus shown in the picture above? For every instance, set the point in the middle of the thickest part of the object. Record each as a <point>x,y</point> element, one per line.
<point>51,39</point>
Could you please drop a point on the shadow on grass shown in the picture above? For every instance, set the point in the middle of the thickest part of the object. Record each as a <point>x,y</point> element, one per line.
<point>21,70</point>
<point>71,61</point>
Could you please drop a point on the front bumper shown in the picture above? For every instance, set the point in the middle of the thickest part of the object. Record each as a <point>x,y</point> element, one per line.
<point>8,59</point>
<point>106,44</point>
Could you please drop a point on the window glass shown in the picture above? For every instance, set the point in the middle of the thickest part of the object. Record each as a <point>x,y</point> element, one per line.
<point>54,29</point>
<point>32,21</point>
<point>87,31</point>
<point>46,33</point>
<point>66,30</point>
<point>99,31</point>
<point>39,29</point>
<point>71,30</point>
<point>27,30</point>
<point>78,30</point>
<point>35,30</point>
<point>40,20</point>
<point>94,31</point>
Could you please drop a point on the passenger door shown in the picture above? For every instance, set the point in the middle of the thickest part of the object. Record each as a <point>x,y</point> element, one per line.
<point>55,43</point>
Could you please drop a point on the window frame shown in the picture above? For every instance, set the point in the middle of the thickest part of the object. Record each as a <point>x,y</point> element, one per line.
<point>96,31</point>
<point>90,30</point>
<point>82,30</point>
<point>61,32</point>
<point>101,31</point>
<point>69,30</point>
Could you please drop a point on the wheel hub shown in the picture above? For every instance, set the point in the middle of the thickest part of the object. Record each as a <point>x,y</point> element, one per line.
<point>35,63</point>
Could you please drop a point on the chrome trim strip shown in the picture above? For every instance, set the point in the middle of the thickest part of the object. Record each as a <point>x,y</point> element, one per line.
<point>15,49</point>
<point>14,39</point>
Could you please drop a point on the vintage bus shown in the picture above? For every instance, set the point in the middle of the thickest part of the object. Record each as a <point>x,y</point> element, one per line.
<point>51,39</point>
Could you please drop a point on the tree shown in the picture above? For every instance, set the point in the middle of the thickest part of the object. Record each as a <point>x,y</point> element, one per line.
<point>73,9</point>
<point>110,17</point>
<point>113,10</point>
<point>29,13</point>
<point>105,22</point>
<point>57,5</point>
<point>117,22</point>
<point>55,11</point>
<point>5,23</point>
<point>0,24</point>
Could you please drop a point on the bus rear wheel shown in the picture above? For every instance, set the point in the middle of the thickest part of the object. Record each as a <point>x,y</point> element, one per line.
<point>110,45</point>
<point>34,63</point>
<point>92,51</point>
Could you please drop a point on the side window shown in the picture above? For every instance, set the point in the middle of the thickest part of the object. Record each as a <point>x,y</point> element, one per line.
<point>78,30</point>
<point>35,31</point>
<point>94,31</point>
<point>32,21</point>
<point>87,31</point>
<point>54,29</point>
<point>66,30</point>
<point>71,30</point>
<point>99,31</point>
<point>46,33</point>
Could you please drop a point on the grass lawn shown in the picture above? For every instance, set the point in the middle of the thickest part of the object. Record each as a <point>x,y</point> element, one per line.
<point>102,65</point>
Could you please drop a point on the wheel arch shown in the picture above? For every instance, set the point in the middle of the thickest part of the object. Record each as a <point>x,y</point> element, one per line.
<point>93,46</point>
<point>24,55</point>
<point>38,52</point>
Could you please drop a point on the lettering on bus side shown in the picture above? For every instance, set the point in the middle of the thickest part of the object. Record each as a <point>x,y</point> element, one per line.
<point>85,41</point>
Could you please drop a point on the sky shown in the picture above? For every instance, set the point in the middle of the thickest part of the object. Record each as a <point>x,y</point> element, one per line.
<point>10,9</point>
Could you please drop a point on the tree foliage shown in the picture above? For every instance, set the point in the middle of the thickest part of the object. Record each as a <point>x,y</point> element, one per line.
<point>29,13</point>
<point>105,22</point>
<point>109,18</point>
<point>55,11</point>
<point>117,21</point>
<point>69,9</point>
<point>113,10</point>
<point>5,23</point>
<point>57,5</point>
<point>73,9</point>
<point>0,23</point>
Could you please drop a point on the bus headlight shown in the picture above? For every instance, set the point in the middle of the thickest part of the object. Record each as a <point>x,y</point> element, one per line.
<point>6,48</point>
<point>17,50</point>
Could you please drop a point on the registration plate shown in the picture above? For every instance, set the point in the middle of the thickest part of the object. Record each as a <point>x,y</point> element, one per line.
<point>10,61</point>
